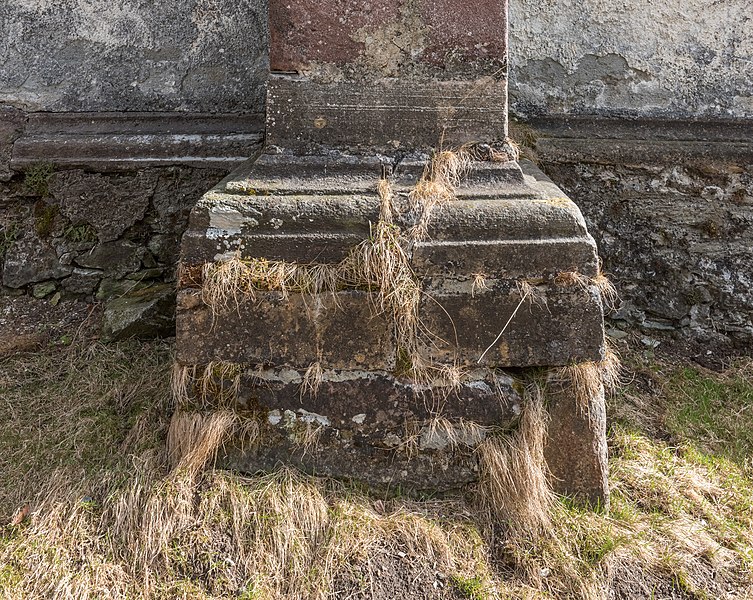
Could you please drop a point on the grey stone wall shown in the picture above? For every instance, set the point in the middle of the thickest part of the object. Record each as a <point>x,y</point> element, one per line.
<point>676,59</point>
<point>107,236</point>
<point>129,55</point>
<point>671,208</point>
<point>690,58</point>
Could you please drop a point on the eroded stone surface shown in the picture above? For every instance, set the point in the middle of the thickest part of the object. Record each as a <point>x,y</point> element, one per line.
<point>386,37</point>
<point>133,56</point>
<point>374,427</point>
<point>341,331</point>
<point>636,59</point>
<point>576,450</point>
<point>31,259</point>
<point>110,204</point>
<point>673,219</point>
<point>144,313</point>
<point>550,326</point>
<point>376,403</point>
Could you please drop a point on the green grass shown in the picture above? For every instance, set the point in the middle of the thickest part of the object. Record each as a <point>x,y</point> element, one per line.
<point>80,233</point>
<point>8,235</point>
<point>44,218</point>
<point>713,412</point>
<point>473,588</point>
<point>37,179</point>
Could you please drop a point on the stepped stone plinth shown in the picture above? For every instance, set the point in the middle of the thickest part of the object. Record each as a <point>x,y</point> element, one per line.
<point>362,94</point>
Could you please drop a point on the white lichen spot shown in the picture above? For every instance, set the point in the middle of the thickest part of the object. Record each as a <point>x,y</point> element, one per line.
<point>359,419</point>
<point>274,417</point>
<point>309,417</point>
<point>276,223</point>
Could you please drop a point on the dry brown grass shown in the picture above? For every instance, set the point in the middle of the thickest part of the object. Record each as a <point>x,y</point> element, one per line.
<point>227,283</point>
<point>214,385</point>
<point>437,185</point>
<point>479,284</point>
<point>312,379</point>
<point>85,446</point>
<point>514,483</point>
<point>588,381</point>
<point>193,439</point>
<point>609,295</point>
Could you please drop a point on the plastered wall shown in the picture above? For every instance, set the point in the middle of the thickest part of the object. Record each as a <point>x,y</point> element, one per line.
<point>133,55</point>
<point>673,59</point>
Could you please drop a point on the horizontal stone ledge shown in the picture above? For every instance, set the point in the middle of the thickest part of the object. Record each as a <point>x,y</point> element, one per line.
<point>375,401</point>
<point>273,219</point>
<point>129,141</point>
<point>626,128</point>
<point>330,456</point>
<point>554,326</point>
<point>558,325</point>
<point>386,116</point>
<point>338,174</point>
<point>575,139</point>
<point>511,259</point>
<point>641,152</point>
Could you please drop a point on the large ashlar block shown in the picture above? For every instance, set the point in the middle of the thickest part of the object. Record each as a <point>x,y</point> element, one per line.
<point>373,426</point>
<point>507,229</point>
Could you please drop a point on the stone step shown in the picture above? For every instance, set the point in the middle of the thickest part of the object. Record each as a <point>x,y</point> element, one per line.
<point>372,426</point>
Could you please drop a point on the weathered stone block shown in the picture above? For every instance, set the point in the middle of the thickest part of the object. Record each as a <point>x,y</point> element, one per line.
<point>390,114</point>
<point>374,427</point>
<point>378,402</point>
<point>145,314</point>
<point>31,259</point>
<point>576,450</point>
<point>551,326</point>
<point>339,331</point>
<point>111,204</point>
<point>382,35</point>
<point>331,456</point>
<point>115,259</point>
<point>507,227</point>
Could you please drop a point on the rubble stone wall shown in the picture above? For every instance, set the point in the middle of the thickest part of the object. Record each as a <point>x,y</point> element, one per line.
<point>671,209</point>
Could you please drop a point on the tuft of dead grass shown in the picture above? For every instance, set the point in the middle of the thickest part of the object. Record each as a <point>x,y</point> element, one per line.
<point>609,296</point>
<point>513,478</point>
<point>479,284</point>
<point>312,379</point>
<point>608,292</point>
<point>214,385</point>
<point>227,283</point>
<point>588,380</point>
<point>437,185</point>
<point>193,439</point>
